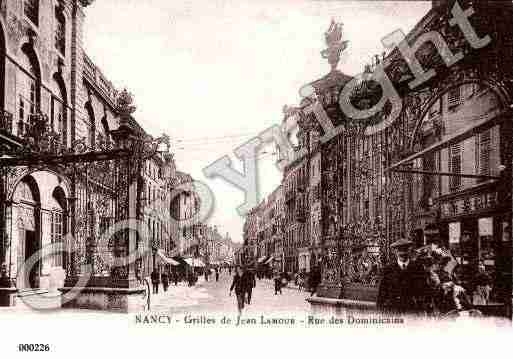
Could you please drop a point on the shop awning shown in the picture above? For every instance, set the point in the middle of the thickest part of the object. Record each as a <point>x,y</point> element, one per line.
<point>180,260</point>
<point>269,260</point>
<point>166,259</point>
<point>262,259</point>
<point>194,262</point>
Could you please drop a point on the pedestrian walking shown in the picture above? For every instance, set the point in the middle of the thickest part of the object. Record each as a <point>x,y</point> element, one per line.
<point>175,278</point>
<point>155,281</point>
<point>165,280</point>
<point>240,290</point>
<point>217,275</point>
<point>403,287</point>
<point>277,283</point>
<point>250,283</point>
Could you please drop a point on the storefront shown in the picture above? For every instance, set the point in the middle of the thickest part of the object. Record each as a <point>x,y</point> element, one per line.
<point>476,228</point>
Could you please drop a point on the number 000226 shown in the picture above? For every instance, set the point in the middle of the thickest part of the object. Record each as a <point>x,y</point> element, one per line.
<point>34,347</point>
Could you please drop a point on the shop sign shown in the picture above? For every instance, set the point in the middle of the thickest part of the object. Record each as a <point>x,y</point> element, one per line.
<point>468,205</point>
<point>454,232</point>
<point>486,226</point>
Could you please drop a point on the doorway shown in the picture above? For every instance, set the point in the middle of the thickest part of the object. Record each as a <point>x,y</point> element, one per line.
<point>31,247</point>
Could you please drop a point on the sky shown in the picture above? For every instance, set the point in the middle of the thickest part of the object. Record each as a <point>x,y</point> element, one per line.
<point>213,74</point>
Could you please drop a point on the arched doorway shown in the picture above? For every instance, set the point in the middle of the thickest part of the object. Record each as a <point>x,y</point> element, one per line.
<point>39,219</point>
<point>26,214</point>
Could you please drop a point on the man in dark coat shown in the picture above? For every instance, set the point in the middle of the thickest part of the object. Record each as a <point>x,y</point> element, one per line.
<point>249,282</point>
<point>240,288</point>
<point>403,286</point>
<point>155,281</point>
<point>165,280</point>
<point>314,280</point>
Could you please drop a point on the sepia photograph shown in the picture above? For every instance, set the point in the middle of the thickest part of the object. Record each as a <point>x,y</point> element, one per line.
<point>191,171</point>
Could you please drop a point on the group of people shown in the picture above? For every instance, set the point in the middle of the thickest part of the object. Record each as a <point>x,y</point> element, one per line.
<point>243,283</point>
<point>429,281</point>
<point>166,277</point>
<point>307,281</point>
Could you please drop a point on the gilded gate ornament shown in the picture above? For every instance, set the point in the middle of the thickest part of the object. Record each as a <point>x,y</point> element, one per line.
<point>335,45</point>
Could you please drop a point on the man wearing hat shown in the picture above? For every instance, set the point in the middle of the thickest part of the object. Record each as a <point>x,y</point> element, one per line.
<point>403,288</point>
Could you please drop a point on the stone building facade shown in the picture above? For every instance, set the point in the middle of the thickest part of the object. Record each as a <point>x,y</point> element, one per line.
<point>56,102</point>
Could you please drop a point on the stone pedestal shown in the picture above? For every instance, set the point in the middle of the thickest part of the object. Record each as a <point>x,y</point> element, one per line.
<point>332,291</point>
<point>103,294</point>
<point>8,297</point>
<point>341,307</point>
<point>352,298</point>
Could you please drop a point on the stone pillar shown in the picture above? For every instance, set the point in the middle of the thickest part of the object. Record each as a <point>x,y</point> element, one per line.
<point>7,287</point>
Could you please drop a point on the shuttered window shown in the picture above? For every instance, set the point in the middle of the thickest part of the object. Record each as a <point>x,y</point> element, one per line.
<point>455,162</point>
<point>484,152</point>
<point>454,97</point>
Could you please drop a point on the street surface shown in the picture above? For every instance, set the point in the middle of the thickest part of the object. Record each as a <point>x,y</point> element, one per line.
<point>212,297</point>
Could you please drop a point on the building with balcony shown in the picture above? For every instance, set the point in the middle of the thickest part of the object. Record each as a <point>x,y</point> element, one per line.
<point>54,101</point>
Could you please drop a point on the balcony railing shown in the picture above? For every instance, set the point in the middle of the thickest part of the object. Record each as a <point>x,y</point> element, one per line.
<point>96,77</point>
<point>6,121</point>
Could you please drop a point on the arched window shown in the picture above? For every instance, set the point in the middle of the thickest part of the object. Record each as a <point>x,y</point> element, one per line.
<point>28,83</point>
<point>58,110</point>
<point>92,123</point>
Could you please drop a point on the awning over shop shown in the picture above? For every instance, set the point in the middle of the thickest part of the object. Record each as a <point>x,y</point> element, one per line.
<point>269,260</point>
<point>166,259</point>
<point>261,259</point>
<point>194,262</point>
<point>180,260</point>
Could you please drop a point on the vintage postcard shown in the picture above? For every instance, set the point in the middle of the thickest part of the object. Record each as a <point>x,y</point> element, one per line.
<point>175,169</point>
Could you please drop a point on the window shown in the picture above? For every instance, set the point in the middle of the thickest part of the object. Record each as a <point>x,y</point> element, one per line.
<point>60,32</point>
<point>454,98</point>
<point>455,163</point>
<point>56,236</point>
<point>31,10</point>
<point>484,151</point>
<point>27,103</point>
<point>57,116</point>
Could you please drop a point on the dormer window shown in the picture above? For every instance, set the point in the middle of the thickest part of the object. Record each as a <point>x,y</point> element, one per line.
<point>31,10</point>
